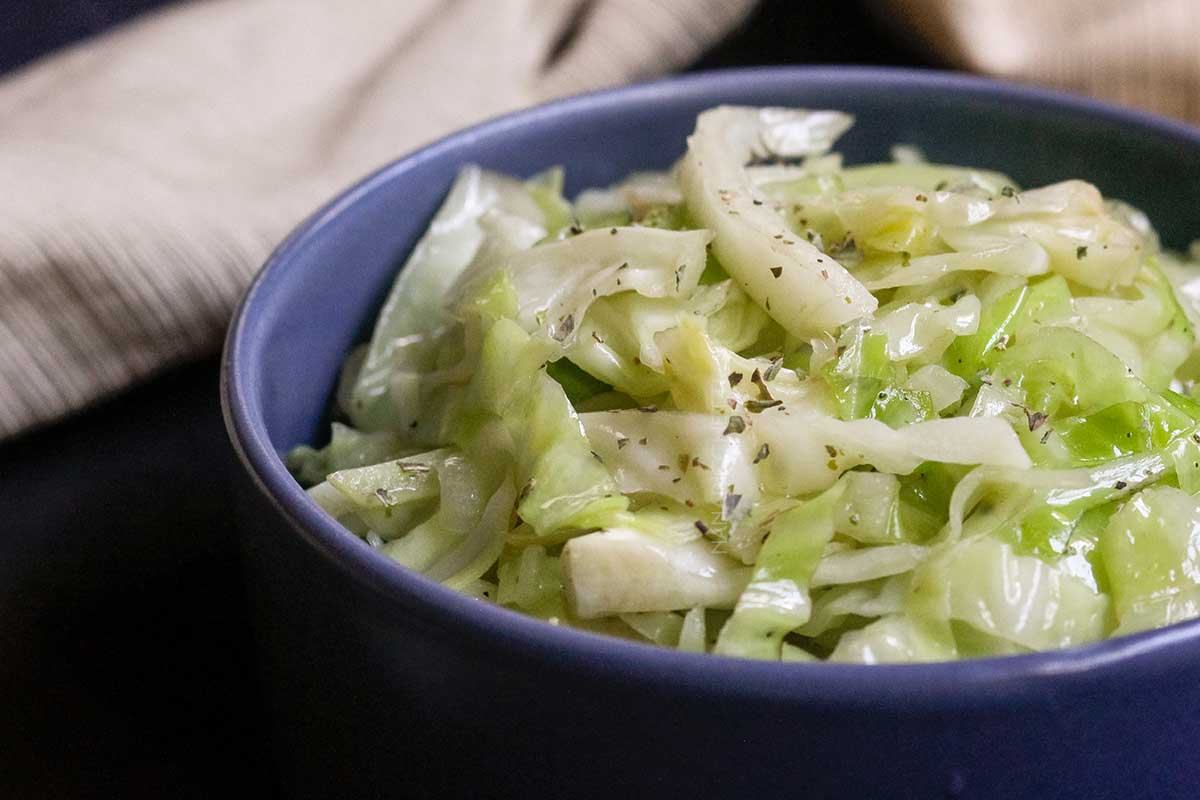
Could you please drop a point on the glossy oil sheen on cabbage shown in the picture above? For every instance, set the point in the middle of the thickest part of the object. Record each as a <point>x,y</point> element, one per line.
<point>769,405</point>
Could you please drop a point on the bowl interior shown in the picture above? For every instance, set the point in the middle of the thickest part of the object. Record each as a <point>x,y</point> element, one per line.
<point>320,292</point>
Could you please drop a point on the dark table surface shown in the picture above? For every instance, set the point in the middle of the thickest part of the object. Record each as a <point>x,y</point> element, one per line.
<point>126,656</point>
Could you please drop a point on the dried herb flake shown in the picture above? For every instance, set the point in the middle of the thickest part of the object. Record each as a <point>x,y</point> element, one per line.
<point>758,406</point>
<point>736,425</point>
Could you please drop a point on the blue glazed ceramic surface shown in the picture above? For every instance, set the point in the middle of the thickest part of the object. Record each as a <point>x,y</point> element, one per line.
<point>385,683</point>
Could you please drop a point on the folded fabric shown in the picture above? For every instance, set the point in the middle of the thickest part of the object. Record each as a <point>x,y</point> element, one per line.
<point>1140,53</point>
<point>148,173</point>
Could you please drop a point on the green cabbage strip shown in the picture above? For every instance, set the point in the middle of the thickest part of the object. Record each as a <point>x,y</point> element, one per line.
<point>776,601</point>
<point>1151,551</point>
<point>1024,600</point>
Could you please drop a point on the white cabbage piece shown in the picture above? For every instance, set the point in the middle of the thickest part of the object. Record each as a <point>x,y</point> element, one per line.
<point>809,451</point>
<point>707,377</point>
<point>556,282</point>
<point>1082,237</point>
<point>623,570</point>
<point>1017,256</point>
<point>803,289</point>
<point>927,329</point>
<point>681,455</point>
<point>406,331</point>
<point>618,340</point>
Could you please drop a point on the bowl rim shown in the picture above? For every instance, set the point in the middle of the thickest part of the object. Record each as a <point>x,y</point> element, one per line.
<point>485,628</point>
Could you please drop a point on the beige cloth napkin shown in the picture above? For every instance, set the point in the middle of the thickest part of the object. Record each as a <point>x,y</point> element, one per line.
<point>1141,53</point>
<point>148,173</point>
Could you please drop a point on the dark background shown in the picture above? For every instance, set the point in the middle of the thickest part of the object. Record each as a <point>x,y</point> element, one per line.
<point>126,663</point>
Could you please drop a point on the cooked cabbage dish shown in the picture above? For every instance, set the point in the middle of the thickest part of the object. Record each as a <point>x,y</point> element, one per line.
<point>769,405</point>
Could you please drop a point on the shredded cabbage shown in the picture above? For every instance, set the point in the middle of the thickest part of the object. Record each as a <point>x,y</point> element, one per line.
<point>770,405</point>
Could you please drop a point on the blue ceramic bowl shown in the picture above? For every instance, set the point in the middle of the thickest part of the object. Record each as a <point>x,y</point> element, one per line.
<point>382,682</point>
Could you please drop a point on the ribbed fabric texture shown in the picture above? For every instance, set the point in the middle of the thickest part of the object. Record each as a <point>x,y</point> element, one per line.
<point>1140,53</point>
<point>147,174</point>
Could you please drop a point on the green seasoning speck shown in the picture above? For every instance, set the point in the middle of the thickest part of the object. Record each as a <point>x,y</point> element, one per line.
<point>773,369</point>
<point>1081,252</point>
